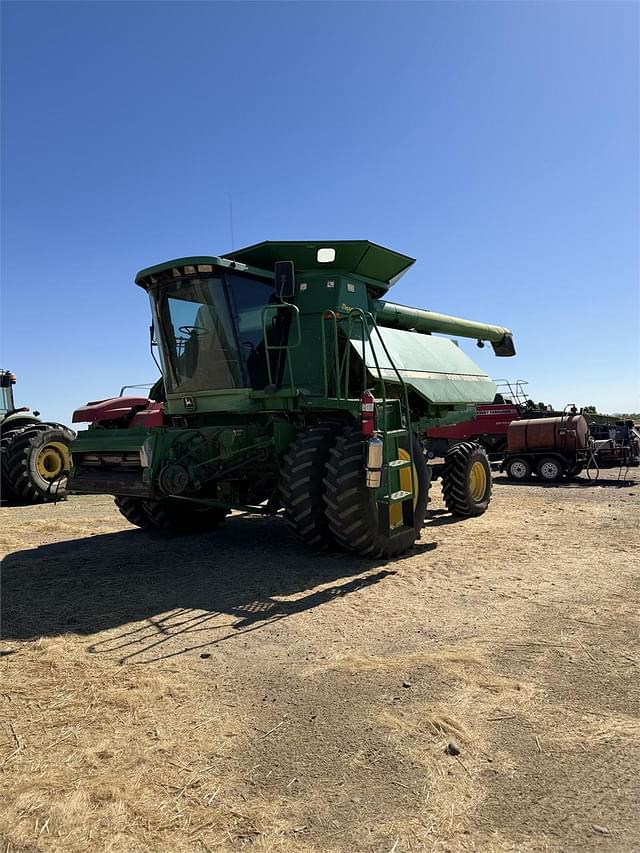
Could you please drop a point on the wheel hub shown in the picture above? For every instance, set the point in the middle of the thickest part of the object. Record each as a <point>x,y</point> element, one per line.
<point>549,470</point>
<point>52,460</point>
<point>477,481</point>
<point>518,470</point>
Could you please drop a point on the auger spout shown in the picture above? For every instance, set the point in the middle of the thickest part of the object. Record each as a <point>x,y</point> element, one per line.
<point>396,316</point>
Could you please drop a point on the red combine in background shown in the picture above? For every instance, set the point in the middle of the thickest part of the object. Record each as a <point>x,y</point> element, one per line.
<point>489,427</point>
<point>123,412</point>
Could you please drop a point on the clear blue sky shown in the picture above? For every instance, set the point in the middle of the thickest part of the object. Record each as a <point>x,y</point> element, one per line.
<point>495,142</point>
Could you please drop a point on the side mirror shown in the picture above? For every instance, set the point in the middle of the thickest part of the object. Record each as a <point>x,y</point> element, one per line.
<point>285,279</point>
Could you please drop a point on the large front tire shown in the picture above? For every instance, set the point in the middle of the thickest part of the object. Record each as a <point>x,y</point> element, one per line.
<point>466,480</point>
<point>36,461</point>
<point>302,487</point>
<point>351,507</point>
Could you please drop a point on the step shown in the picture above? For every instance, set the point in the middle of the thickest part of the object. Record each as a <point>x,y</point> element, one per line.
<point>400,463</point>
<point>396,497</point>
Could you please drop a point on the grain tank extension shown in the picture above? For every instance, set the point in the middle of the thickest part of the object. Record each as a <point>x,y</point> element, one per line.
<point>291,385</point>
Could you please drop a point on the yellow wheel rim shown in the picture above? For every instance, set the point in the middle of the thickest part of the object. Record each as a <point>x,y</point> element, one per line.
<point>477,481</point>
<point>52,460</point>
<point>395,510</point>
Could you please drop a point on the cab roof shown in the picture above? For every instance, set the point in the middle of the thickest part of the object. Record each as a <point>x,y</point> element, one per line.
<point>356,257</point>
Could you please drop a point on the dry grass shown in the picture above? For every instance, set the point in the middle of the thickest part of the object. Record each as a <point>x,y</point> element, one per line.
<point>296,733</point>
<point>111,758</point>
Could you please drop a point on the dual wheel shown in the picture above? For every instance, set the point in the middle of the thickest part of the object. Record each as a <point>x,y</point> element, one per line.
<point>34,461</point>
<point>327,502</point>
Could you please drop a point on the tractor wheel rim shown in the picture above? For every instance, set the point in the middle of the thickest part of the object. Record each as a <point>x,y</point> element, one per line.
<point>518,470</point>
<point>477,481</point>
<point>52,460</point>
<point>395,510</point>
<point>549,470</point>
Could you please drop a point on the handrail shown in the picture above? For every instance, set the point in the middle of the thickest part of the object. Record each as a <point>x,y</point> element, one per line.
<point>368,325</point>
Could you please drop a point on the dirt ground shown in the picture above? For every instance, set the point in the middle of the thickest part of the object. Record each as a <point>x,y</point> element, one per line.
<point>233,691</point>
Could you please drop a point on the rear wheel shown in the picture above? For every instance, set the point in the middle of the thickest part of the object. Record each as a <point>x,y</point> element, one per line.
<point>35,462</point>
<point>352,509</point>
<point>466,480</point>
<point>301,484</point>
<point>183,517</point>
<point>133,510</point>
<point>550,470</point>
<point>518,469</point>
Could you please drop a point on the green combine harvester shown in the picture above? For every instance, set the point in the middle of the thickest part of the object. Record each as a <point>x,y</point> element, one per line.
<point>291,385</point>
<point>34,455</point>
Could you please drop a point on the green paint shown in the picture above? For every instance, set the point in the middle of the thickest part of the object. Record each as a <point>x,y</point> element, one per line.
<point>245,373</point>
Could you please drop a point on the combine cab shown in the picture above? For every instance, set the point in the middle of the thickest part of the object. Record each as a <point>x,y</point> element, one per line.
<point>292,386</point>
<point>34,459</point>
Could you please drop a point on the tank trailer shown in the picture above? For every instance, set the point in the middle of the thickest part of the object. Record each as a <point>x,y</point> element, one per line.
<point>291,384</point>
<point>563,446</point>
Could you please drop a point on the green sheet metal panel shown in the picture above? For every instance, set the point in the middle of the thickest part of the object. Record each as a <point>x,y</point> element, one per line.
<point>359,257</point>
<point>434,367</point>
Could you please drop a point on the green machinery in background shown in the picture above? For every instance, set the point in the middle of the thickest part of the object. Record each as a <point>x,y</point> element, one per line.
<point>290,384</point>
<point>34,455</point>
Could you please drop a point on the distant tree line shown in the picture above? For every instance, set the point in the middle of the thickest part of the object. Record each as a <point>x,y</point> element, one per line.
<point>602,417</point>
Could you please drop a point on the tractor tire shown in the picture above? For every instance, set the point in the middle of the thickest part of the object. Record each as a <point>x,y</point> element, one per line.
<point>6,492</point>
<point>302,487</point>
<point>35,462</point>
<point>550,470</point>
<point>518,469</point>
<point>466,480</point>
<point>180,517</point>
<point>133,510</point>
<point>351,507</point>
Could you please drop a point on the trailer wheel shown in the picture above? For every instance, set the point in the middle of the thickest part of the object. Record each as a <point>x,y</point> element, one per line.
<point>518,469</point>
<point>549,470</point>
<point>182,517</point>
<point>575,470</point>
<point>466,480</point>
<point>352,509</point>
<point>35,462</point>
<point>133,510</point>
<point>301,484</point>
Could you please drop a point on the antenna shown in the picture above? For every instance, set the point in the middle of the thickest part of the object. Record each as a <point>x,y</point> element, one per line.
<point>233,242</point>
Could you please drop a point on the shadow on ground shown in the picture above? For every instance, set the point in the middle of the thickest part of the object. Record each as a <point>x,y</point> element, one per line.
<point>98,583</point>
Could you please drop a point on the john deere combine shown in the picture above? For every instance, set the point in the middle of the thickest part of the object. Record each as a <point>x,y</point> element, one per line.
<point>34,455</point>
<point>291,385</point>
